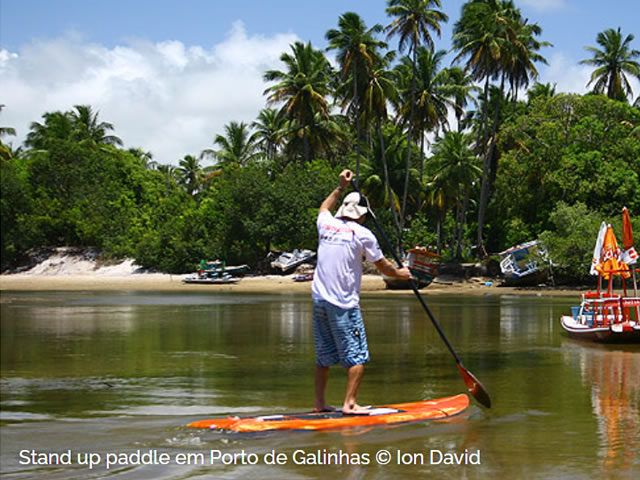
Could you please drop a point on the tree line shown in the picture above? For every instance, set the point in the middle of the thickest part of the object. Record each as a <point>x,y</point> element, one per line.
<point>469,158</point>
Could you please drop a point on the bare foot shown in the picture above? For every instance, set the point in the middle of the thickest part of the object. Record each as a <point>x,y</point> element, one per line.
<point>355,410</point>
<point>326,408</point>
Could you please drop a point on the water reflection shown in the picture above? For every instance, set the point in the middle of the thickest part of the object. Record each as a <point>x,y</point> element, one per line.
<point>614,378</point>
<point>110,371</point>
<point>520,317</point>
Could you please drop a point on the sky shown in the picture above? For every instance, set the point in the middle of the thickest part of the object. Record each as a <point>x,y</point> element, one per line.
<point>170,74</point>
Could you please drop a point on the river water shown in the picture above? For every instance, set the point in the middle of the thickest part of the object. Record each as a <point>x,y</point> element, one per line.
<point>102,384</point>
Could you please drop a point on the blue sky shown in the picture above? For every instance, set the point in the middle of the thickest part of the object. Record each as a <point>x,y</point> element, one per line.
<point>170,74</point>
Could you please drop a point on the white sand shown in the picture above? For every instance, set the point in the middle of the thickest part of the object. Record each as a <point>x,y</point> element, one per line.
<point>69,270</point>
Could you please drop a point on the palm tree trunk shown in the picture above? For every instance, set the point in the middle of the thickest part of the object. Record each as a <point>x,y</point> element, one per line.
<point>387,182</point>
<point>421,152</point>
<point>356,100</point>
<point>439,233</point>
<point>482,132</point>
<point>405,192</point>
<point>305,143</point>
<point>463,221</point>
<point>486,171</point>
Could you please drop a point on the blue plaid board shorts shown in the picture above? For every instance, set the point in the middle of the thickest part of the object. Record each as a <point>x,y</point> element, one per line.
<point>339,335</point>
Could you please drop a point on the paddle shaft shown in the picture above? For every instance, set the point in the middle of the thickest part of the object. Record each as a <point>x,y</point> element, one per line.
<point>414,287</point>
<point>473,384</point>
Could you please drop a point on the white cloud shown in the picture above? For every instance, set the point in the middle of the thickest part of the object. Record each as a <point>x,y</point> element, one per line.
<point>544,5</point>
<point>166,97</point>
<point>571,77</point>
<point>568,75</point>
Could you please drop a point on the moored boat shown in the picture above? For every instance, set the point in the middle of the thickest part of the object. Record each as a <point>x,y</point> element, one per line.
<point>216,272</point>
<point>424,268</point>
<point>222,279</point>
<point>604,316</point>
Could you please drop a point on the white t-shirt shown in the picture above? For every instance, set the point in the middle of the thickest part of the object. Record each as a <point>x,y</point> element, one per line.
<point>341,247</point>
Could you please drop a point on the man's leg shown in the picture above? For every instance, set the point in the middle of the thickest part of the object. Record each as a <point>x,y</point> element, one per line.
<point>354,376</point>
<point>322,377</point>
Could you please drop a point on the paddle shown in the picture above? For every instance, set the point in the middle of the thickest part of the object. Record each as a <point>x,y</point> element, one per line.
<point>475,388</point>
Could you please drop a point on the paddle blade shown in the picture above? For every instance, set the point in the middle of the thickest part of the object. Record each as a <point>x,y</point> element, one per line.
<point>474,387</point>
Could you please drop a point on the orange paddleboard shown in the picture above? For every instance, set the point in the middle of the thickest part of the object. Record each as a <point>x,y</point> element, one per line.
<point>383,415</point>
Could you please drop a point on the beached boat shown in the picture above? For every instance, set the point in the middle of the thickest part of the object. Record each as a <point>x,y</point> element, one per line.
<point>525,264</point>
<point>216,272</point>
<point>219,279</point>
<point>424,268</point>
<point>289,261</point>
<point>605,316</point>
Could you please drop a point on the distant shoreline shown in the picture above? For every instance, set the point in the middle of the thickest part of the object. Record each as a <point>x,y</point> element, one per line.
<point>371,284</point>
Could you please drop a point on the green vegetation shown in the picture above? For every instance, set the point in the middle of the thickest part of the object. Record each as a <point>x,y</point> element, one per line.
<point>511,169</point>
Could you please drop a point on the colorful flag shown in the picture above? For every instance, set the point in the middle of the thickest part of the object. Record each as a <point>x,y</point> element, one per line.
<point>630,255</point>
<point>609,259</point>
<point>597,251</point>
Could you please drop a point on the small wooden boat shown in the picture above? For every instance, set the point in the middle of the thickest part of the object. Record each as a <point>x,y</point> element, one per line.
<point>218,279</point>
<point>303,277</point>
<point>424,268</point>
<point>216,273</point>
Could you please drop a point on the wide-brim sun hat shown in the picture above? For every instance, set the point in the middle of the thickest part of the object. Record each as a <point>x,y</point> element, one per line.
<point>353,206</point>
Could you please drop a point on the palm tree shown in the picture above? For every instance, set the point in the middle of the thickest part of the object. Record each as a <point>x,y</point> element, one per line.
<point>455,170</point>
<point>523,53</point>
<point>357,49</point>
<point>328,136</point>
<point>56,126</point>
<point>463,88</point>
<point>379,91</point>
<point>87,127</point>
<point>413,22</point>
<point>145,157</point>
<point>238,146</point>
<point>301,88</point>
<point>169,174</point>
<point>81,125</point>
<point>5,150</point>
<point>5,131</point>
<point>614,62</point>
<point>190,174</point>
<point>433,95</point>
<point>269,132</point>
<point>499,44</point>
<point>480,36</point>
<point>541,90</point>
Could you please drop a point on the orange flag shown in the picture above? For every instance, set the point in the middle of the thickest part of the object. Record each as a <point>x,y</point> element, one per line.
<point>627,232</point>
<point>609,264</point>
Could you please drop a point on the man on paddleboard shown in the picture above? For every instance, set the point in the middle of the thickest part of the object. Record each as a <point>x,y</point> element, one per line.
<point>338,327</point>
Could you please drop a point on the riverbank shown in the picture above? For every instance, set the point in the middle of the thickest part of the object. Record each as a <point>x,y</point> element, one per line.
<point>76,269</point>
<point>371,284</point>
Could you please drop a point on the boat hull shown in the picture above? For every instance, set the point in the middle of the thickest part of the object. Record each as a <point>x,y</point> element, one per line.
<point>398,284</point>
<point>211,281</point>
<point>628,332</point>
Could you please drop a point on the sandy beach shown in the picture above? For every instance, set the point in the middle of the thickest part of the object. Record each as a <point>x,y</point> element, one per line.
<point>70,269</point>
<point>371,284</point>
